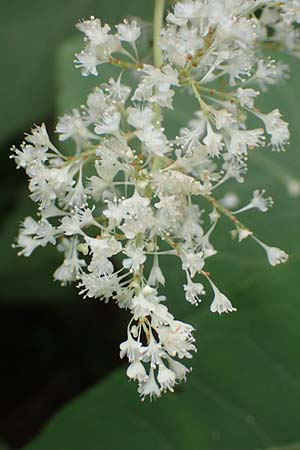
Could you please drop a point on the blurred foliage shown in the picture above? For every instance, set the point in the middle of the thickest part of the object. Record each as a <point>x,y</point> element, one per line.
<point>3,446</point>
<point>244,391</point>
<point>23,279</point>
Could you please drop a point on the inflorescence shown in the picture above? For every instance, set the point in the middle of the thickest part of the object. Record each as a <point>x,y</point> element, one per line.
<point>131,191</point>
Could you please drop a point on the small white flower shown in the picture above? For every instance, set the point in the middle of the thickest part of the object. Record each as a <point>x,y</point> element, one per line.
<point>275,255</point>
<point>28,156</point>
<point>149,387</point>
<point>87,61</point>
<point>177,339</point>
<point>241,140</point>
<point>166,378</point>
<point>70,269</point>
<point>179,45</point>
<point>193,291</point>
<point>184,11</point>
<point>27,244</point>
<point>128,31</point>
<point>179,369</point>
<point>131,348</point>
<point>95,286</point>
<point>277,128</point>
<point>109,123</point>
<point>136,257</point>
<point>94,30</point>
<point>34,234</point>
<point>101,250</point>
<point>193,262</point>
<point>270,72</point>
<point>221,304</point>
<point>156,276</point>
<point>155,85</point>
<point>241,232</point>
<point>141,306</point>
<point>136,371</point>
<point>154,140</point>
<point>116,91</point>
<point>29,226</point>
<point>70,225</point>
<point>246,97</point>
<point>140,118</point>
<point>214,216</point>
<point>148,290</point>
<point>223,118</point>
<point>100,45</point>
<point>72,126</point>
<point>153,353</point>
<point>214,141</point>
<point>258,201</point>
<point>39,137</point>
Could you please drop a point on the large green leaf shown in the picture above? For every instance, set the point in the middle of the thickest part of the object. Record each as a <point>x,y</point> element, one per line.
<point>3,446</point>
<point>289,447</point>
<point>244,391</point>
<point>27,279</point>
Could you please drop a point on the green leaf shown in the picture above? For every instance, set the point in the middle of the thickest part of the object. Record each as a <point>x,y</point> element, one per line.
<point>244,391</point>
<point>289,447</point>
<point>3,446</point>
<point>27,279</point>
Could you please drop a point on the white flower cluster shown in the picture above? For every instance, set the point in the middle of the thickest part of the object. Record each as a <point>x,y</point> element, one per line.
<point>133,192</point>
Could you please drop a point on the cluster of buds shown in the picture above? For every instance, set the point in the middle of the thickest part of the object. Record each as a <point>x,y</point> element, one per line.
<point>131,191</point>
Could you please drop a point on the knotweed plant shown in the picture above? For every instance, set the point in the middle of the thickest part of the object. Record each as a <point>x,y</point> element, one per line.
<point>130,193</point>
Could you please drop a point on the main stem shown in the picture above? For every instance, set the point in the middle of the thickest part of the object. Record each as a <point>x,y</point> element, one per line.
<point>159,7</point>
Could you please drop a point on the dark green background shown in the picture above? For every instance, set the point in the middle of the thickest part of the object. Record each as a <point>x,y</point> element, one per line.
<point>244,391</point>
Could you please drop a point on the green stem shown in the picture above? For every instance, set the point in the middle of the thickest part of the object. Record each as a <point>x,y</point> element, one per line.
<point>226,212</point>
<point>214,92</point>
<point>201,102</point>
<point>159,7</point>
<point>124,65</point>
<point>196,92</point>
